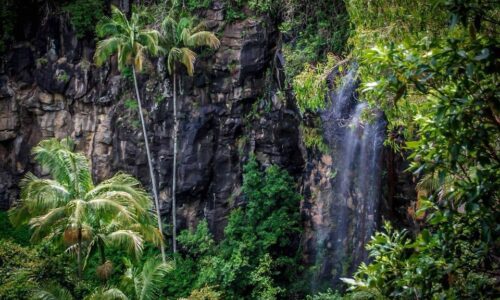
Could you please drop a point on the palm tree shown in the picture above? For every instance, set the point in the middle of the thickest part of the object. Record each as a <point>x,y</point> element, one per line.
<point>179,38</point>
<point>130,41</point>
<point>147,282</point>
<point>118,233</point>
<point>67,206</point>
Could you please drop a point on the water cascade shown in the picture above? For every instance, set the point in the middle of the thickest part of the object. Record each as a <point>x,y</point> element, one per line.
<point>355,135</point>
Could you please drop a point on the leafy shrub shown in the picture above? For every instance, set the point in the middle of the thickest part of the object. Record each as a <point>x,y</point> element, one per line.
<point>19,235</point>
<point>258,257</point>
<point>25,269</point>
<point>206,293</point>
<point>313,139</point>
<point>84,14</point>
<point>310,86</point>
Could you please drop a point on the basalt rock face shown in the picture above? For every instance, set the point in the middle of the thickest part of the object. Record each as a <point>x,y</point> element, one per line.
<point>50,88</point>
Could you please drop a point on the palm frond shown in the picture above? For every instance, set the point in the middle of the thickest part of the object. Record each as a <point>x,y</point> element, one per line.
<point>78,209</point>
<point>91,250</point>
<point>107,294</point>
<point>188,59</point>
<point>53,292</point>
<point>38,196</point>
<point>119,18</point>
<point>48,154</point>
<point>149,232</point>
<point>168,28</point>
<point>106,48</point>
<point>149,39</point>
<point>107,206</point>
<point>151,278</point>
<point>174,56</point>
<point>126,238</point>
<point>203,38</point>
<point>185,35</point>
<point>46,223</point>
<point>68,168</point>
<point>119,182</point>
<point>72,250</point>
<point>127,39</point>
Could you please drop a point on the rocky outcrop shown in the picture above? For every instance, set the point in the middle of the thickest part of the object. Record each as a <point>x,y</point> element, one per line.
<point>49,88</point>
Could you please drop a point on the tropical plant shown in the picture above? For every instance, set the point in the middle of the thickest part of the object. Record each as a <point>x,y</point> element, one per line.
<point>130,41</point>
<point>104,293</point>
<point>53,292</point>
<point>70,207</point>
<point>178,39</point>
<point>56,292</point>
<point>145,283</point>
<point>310,86</point>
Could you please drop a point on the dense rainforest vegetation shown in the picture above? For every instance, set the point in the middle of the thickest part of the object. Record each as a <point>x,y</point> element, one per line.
<point>431,66</point>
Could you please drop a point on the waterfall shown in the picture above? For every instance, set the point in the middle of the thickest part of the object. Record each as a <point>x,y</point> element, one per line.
<point>355,134</point>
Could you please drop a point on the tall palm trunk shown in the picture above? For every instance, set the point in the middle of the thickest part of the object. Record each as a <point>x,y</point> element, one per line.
<point>79,252</point>
<point>150,163</point>
<point>174,169</point>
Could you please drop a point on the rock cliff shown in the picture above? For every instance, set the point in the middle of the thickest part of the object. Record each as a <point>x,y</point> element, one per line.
<point>50,88</point>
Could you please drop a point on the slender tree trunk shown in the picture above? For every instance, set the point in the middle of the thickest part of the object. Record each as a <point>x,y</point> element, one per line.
<point>79,252</point>
<point>174,169</point>
<point>150,163</point>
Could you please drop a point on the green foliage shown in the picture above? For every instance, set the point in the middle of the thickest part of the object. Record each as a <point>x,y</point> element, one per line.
<point>146,282</point>
<point>310,85</point>
<point>192,5</point>
<point>179,36</point>
<point>131,104</point>
<point>84,15</point>
<point>315,32</point>
<point>441,86</point>
<point>130,39</point>
<point>328,295</point>
<point>62,76</point>
<point>206,293</point>
<point>406,269</point>
<point>20,235</point>
<point>40,62</point>
<point>8,14</point>
<point>25,269</point>
<point>313,139</point>
<point>126,73</point>
<point>258,257</point>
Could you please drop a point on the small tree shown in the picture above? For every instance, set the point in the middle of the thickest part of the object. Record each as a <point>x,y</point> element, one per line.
<point>180,37</point>
<point>130,41</point>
